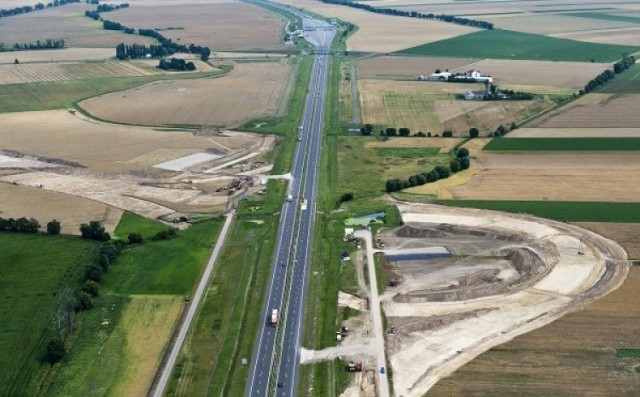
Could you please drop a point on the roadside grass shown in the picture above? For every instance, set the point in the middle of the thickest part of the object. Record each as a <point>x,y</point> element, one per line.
<point>564,144</point>
<point>65,94</point>
<point>287,125</point>
<point>134,223</point>
<point>568,211</point>
<point>33,268</point>
<point>229,316</point>
<point>165,266</point>
<point>507,44</point>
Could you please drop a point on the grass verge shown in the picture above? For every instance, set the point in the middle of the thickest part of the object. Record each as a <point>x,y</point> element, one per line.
<point>134,223</point>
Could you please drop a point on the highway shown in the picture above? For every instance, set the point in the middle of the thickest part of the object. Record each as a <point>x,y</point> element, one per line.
<point>271,373</point>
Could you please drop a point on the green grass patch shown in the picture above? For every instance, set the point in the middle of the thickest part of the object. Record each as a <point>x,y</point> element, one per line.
<point>624,353</point>
<point>507,44</point>
<point>605,17</point>
<point>407,153</point>
<point>64,94</point>
<point>568,211</point>
<point>134,223</point>
<point>33,268</point>
<point>564,144</point>
<point>166,266</point>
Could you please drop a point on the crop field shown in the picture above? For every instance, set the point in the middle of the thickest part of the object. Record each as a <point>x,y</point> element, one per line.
<point>28,300</point>
<point>505,44</point>
<point>61,55</point>
<point>251,90</point>
<point>565,211</point>
<point>104,147</point>
<point>119,346</point>
<point>575,133</point>
<point>627,234</point>
<point>29,73</point>
<point>573,356</point>
<point>628,36</point>
<point>45,205</point>
<point>552,24</point>
<point>598,111</point>
<point>383,33</point>
<point>431,107</point>
<point>586,176</point>
<point>67,22</point>
<point>230,25</point>
<point>565,144</point>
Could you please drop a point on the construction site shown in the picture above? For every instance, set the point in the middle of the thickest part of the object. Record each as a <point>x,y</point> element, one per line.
<point>458,282</point>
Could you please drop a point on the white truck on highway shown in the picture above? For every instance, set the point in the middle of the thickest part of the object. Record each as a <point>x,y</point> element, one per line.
<point>290,198</point>
<point>274,318</point>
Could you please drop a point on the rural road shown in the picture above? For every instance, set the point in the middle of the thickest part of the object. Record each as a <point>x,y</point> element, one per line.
<point>374,305</point>
<point>272,373</point>
<point>166,370</point>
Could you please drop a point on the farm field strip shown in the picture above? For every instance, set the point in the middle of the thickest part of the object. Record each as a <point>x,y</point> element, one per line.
<point>565,144</point>
<point>60,55</point>
<point>574,133</point>
<point>595,111</point>
<point>28,73</point>
<point>626,36</point>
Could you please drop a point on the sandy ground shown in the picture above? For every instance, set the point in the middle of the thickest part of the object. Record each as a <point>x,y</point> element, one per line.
<point>422,357</point>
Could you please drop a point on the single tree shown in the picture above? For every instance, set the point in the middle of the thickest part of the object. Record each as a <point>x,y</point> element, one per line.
<point>135,238</point>
<point>93,272</point>
<point>473,132</point>
<point>462,152</point>
<point>53,227</point>
<point>90,287</point>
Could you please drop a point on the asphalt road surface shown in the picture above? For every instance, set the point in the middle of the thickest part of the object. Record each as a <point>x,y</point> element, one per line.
<point>269,371</point>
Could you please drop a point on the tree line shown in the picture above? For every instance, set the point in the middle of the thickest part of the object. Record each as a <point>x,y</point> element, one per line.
<point>24,225</point>
<point>414,14</point>
<point>607,75</point>
<point>47,44</point>
<point>39,6</point>
<point>459,163</point>
<point>95,15</point>
<point>176,64</point>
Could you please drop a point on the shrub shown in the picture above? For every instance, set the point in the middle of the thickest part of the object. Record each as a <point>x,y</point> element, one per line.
<point>473,132</point>
<point>104,263</point>
<point>53,227</point>
<point>442,172</point>
<point>135,238</point>
<point>462,153</point>
<point>85,301</point>
<point>90,287</point>
<point>55,351</point>
<point>93,272</point>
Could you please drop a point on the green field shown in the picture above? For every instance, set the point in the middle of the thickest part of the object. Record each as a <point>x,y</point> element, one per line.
<point>33,268</point>
<point>564,144</point>
<point>506,44</point>
<point>133,223</point>
<point>603,16</point>
<point>164,267</point>
<point>407,153</point>
<point>568,211</point>
<point>627,352</point>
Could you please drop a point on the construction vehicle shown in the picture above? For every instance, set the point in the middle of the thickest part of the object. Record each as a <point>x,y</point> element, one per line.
<point>274,317</point>
<point>355,367</point>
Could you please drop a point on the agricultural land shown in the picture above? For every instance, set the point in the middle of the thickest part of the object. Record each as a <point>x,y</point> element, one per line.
<point>531,291</point>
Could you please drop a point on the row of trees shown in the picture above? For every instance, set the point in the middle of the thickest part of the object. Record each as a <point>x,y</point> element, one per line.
<point>38,45</point>
<point>27,9</point>
<point>24,225</point>
<point>95,15</point>
<point>72,300</point>
<point>624,63</point>
<point>604,77</point>
<point>414,14</point>
<point>459,163</point>
<point>176,64</point>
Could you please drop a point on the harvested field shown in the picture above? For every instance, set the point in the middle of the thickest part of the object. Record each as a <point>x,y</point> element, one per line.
<point>612,177</point>
<point>29,73</point>
<point>445,144</point>
<point>431,107</point>
<point>575,133</point>
<point>103,147</point>
<point>628,36</point>
<point>606,112</point>
<point>383,33</point>
<point>406,68</point>
<point>68,23</point>
<point>62,55</point>
<point>627,234</point>
<point>573,75</point>
<point>574,356</point>
<point>552,24</point>
<point>251,90</point>
<point>44,205</point>
<point>231,25</point>
<point>441,189</point>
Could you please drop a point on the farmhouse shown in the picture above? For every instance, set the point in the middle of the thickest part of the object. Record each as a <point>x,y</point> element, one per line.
<point>475,75</point>
<point>475,95</point>
<point>444,76</point>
